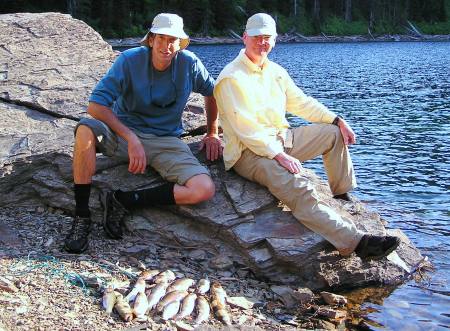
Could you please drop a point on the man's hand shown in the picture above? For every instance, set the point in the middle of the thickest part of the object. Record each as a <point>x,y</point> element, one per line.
<point>347,133</point>
<point>213,145</point>
<point>288,162</point>
<point>136,154</point>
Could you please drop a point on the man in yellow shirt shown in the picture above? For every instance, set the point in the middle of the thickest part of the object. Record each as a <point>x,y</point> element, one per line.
<point>253,95</point>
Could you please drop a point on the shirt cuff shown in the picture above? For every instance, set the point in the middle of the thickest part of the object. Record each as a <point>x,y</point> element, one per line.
<point>274,148</point>
<point>100,101</point>
<point>329,117</point>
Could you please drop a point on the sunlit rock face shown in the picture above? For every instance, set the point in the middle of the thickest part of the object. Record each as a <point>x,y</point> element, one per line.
<point>49,64</point>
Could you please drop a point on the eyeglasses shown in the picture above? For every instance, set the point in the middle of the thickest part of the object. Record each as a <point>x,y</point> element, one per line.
<point>174,88</point>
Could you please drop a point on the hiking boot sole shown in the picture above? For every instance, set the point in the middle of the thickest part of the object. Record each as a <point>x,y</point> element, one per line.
<point>103,197</point>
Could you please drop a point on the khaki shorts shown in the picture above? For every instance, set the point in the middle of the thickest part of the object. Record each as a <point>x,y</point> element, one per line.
<point>169,156</point>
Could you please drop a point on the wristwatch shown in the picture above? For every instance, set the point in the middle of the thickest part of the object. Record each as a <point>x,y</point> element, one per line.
<point>336,120</point>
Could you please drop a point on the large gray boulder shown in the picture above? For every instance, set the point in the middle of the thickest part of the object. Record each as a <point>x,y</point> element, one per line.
<point>50,62</point>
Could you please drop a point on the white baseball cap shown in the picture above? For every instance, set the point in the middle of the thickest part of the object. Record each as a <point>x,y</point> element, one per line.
<point>168,24</point>
<point>261,24</point>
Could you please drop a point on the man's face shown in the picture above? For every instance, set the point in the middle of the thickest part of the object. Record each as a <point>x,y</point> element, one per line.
<point>164,47</point>
<point>258,47</point>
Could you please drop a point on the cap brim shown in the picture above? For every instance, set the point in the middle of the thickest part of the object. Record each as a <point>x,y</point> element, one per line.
<point>144,41</point>
<point>261,32</point>
<point>170,32</point>
<point>184,42</point>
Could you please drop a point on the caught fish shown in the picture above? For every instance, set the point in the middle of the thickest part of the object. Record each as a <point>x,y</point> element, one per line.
<point>119,285</point>
<point>203,286</point>
<point>170,297</point>
<point>202,311</point>
<point>148,275</point>
<point>155,295</point>
<point>187,306</point>
<point>123,308</point>
<point>109,299</point>
<point>140,305</point>
<point>165,276</point>
<point>170,310</point>
<point>218,303</point>
<point>138,287</point>
<point>181,284</point>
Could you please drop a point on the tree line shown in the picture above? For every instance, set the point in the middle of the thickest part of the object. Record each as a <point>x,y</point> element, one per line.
<point>130,18</point>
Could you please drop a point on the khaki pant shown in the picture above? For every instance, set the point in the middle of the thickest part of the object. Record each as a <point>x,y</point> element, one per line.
<point>297,192</point>
<point>169,156</point>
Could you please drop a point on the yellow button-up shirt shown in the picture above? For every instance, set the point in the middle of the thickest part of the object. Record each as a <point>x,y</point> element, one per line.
<point>252,104</point>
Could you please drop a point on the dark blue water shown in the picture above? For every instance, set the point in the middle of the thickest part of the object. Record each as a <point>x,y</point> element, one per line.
<point>396,96</point>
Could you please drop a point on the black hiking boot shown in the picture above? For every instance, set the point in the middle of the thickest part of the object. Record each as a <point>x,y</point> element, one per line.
<point>113,215</point>
<point>344,197</point>
<point>376,247</point>
<point>77,241</point>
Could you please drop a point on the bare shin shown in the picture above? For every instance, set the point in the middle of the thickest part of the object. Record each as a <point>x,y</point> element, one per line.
<point>84,155</point>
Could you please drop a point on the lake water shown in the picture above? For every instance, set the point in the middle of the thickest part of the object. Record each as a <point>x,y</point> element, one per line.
<point>396,96</point>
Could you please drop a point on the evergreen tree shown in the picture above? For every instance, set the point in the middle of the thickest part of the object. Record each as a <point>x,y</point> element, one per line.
<point>122,18</point>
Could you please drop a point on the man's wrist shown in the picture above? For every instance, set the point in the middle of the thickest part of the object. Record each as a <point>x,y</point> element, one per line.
<point>130,136</point>
<point>337,119</point>
<point>278,156</point>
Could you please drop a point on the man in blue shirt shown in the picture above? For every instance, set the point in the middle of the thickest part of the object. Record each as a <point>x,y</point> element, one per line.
<point>136,110</point>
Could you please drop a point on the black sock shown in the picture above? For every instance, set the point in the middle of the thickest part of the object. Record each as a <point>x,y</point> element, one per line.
<point>82,194</point>
<point>160,195</point>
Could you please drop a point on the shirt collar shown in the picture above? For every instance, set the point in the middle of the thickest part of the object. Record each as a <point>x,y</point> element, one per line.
<point>249,64</point>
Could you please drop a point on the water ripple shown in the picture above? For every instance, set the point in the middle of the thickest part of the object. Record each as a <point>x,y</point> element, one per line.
<point>396,97</point>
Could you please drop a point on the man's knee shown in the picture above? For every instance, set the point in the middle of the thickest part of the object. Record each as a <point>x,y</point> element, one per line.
<point>205,189</point>
<point>84,134</point>
<point>331,134</point>
<point>84,155</point>
<point>202,187</point>
<point>334,131</point>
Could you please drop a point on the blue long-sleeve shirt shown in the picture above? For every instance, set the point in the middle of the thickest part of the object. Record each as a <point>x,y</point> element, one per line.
<point>136,91</point>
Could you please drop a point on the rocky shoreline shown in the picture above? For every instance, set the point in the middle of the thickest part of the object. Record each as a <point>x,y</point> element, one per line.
<point>44,288</point>
<point>293,38</point>
<point>242,238</point>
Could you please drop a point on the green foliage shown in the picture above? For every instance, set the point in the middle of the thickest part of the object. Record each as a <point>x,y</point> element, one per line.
<point>132,18</point>
<point>134,30</point>
<point>387,27</point>
<point>284,24</point>
<point>434,28</point>
<point>305,26</point>
<point>300,24</point>
<point>447,10</point>
<point>337,26</point>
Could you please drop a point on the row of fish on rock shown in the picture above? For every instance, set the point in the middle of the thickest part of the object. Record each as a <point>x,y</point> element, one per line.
<point>174,298</point>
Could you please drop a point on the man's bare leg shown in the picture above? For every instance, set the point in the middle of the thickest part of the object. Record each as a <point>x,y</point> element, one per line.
<point>117,204</point>
<point>83,170</point>
<point>84,155</point>
<point>197,189</point>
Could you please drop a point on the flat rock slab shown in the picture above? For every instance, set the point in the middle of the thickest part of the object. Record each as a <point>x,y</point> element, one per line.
<point>42,65</point>
<point>50,62</point>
